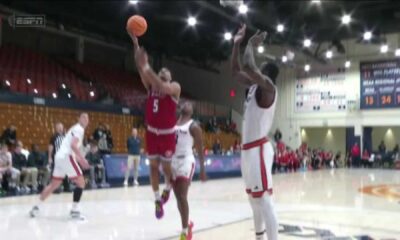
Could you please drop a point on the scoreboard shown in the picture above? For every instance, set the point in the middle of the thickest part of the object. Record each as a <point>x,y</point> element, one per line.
<point>380,84</point>
<point>324,91</point>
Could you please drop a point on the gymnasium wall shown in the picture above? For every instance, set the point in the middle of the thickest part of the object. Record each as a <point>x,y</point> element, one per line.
<point>333,139</point>
<point>291,122</point>
<point>391,136</point>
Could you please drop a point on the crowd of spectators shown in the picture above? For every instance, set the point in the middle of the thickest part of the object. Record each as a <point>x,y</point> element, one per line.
<point>306,158</point>
<point>214,125</point>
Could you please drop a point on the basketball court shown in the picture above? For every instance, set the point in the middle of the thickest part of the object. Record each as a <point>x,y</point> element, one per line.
<point>337,204</point>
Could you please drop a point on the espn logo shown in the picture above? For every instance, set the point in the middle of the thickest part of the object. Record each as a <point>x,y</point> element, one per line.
<point>27,21</point>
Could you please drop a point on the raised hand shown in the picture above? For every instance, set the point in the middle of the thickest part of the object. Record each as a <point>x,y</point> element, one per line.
<point>258,38</point>
<point>238,38</point>
<point>134,38</point>
<point>141,57</point>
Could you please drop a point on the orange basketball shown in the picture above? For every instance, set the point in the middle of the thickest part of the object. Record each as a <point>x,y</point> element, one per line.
<point>136,25</point>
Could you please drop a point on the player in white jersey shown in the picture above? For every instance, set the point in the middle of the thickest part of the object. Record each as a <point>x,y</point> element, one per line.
<point>188,134</point>
<point>257,151</point>
<point>66,164</point>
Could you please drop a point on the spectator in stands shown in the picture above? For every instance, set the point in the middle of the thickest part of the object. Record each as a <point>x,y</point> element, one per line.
<point>23,150</point>
<point>96,165</point>
<point>337,158</point>
<point>209,126</point>
<point>355,154</point>
<point>396,148</point>
<point>236,147</point>
<point>365,158</point>
<point>348,160</point>
<point>382,149</point>
<point>110,142</point>
<point>215,125</point>
<point>328,158</point>
<point>6,167</point>
<point>232,127</point>
<point>133,144</point>
<point>9,136</point>
<point>316,159</point>
<point>28,171</point>
<point>277,135</point>
<point>100,135</point>
<point>38,160</point>
<point>217,149</point>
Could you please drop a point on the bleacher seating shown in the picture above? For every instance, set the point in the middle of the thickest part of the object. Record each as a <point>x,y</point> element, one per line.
<point>35,125</point>
<point>19,64</point>
<point>122,86</point>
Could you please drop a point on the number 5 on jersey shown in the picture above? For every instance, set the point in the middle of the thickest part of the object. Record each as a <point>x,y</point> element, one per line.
<point>155,106</point>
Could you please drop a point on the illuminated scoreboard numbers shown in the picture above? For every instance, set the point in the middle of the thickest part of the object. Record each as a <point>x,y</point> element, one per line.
<point>369,101</point>
<point>386,100</point>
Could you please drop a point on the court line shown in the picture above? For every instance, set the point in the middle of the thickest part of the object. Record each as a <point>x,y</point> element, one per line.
<point>211,228</point>
<point>344,225</point>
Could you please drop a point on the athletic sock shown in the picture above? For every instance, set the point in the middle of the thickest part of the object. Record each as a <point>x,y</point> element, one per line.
<point>260,235</point>
<point>168,185</point>
<point>157,195</point>
<point>185,230</point>
<point>75,206</point>
<point>39,203</point>
<point>77,194</point>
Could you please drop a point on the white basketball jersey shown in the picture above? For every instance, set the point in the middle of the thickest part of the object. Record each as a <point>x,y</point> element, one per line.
<point>257,121</point>
<point>184,142</point>
<point>65,148</point>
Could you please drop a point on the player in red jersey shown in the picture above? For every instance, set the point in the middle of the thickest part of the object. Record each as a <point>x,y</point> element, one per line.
<point>163,97</point>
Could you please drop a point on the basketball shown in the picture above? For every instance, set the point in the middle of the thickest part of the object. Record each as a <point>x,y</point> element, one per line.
<point>136,25</point>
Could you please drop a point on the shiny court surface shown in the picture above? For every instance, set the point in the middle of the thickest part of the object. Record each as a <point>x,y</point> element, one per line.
<point>325,204</point>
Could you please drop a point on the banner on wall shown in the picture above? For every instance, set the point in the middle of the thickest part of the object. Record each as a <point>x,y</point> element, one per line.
<point>380,84</point>
<point>324,91</point>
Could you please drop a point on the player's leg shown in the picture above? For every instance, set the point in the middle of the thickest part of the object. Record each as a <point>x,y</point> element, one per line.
<point>182,174</point>
<point>129,164</point>
<point>181,188</point>
<point>249,159</point>
<point>154,179</point>
<point>265,201</point>
<point>167,150</point>
<point>167,170</point>
<point>136,162</point>
<point>257,217</point>
<point>47,191</point>
<point>76,196</point>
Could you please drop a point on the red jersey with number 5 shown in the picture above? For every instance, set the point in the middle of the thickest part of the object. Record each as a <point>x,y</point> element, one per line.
<point>160,110</point>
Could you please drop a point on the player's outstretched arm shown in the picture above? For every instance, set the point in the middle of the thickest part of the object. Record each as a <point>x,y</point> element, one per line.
<point>197,134</point>
<point>136,46</point>
<point>250,66</point>
<point>172,89</point>
<point>236,68</point>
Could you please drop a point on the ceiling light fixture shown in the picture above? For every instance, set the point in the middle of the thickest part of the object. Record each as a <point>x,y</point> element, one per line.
<point>280,28</point>
<point>243,9</point>
<point>307,43</point>
<point>228,36</point>
<point>192,21</point>
<point>367,36</point>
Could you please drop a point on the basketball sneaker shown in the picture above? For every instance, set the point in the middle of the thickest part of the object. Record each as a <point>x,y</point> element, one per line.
<point>159,209</point>
<point>165,196</point>
<point>76,214</point>
<point>190,231</point>
<point>34,212</point>
<point>189,235</point>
